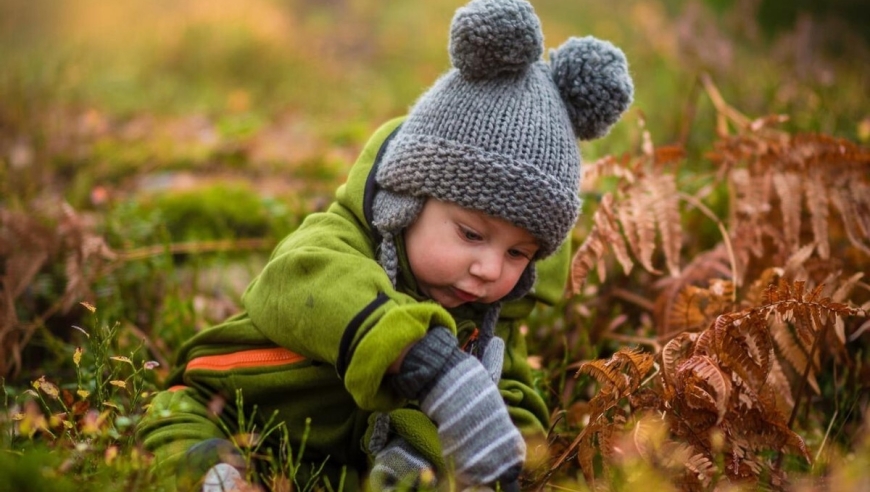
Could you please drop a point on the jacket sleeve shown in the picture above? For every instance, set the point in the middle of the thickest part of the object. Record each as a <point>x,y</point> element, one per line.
<point>175,421</point>
<point>324,296</point>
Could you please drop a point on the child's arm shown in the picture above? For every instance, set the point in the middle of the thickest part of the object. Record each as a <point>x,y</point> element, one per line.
<point>322,295</point>
<point>175,422</point>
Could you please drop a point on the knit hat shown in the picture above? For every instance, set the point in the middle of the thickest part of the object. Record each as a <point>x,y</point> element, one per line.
<point>498,132</point>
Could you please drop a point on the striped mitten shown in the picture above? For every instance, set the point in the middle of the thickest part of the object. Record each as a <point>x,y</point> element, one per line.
<point>459,395</point>
<point>398,466</point>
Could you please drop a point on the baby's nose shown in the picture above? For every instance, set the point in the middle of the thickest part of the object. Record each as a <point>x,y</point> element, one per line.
<point>487,266</point>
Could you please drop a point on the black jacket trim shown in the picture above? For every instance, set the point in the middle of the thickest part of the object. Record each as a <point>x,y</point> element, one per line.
<point>346,348</point>
<point>372,187</point>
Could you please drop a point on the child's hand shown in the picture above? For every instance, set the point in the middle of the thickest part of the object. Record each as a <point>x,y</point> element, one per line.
<point>398,466</point>
<point>459,395</point>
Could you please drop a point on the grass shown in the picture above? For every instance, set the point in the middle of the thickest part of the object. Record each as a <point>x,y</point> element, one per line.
<point>145,117</point>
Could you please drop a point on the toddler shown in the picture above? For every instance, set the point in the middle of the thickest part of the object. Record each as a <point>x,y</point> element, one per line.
<point>384,332</point>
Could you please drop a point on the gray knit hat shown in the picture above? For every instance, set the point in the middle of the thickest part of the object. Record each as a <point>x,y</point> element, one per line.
<point>498,132</point>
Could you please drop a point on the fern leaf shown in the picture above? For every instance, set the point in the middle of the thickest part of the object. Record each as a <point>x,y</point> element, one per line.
<point>792,351</point>
<point>590,254</point>
<point>787,186</point>
<point>746,348</point>
<point>751,206</point>
<point>695,307</point>
<point>675,352</point>
<point>639,222</point>
<point>817,202</point>
<point>687,312</point>
<point>606,373</point>
<point>637,362</point>
<point>607,166</point>
<point>706,342</point>
<point>861,204</point>
<point>713,394</point>
<point>845,288</point>
<point>844,201</point>
<point>665,203</point>
<point>586,450</point>
<point>779,383</point>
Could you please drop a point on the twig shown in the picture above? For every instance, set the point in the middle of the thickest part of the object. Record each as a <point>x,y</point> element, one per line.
<point>825,439</point>
<point>562,458</point>
<point>802,389</point>
<point>725,238</point>
<point>196,247</point>
<point>633,298</point>
<point>722,107</point>
<point>632,339</point>
<point>155,351</point>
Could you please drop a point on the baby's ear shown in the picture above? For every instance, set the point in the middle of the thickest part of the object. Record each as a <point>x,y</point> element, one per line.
<point>593,80</point>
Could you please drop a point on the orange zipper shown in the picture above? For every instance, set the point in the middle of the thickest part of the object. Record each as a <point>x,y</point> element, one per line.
<point>246,358</point>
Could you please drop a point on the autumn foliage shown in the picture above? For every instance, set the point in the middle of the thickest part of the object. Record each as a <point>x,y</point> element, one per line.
<point>744,330</point>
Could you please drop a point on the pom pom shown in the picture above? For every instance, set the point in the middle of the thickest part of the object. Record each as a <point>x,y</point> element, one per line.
<point>593,79</point>
<point>493,37</point>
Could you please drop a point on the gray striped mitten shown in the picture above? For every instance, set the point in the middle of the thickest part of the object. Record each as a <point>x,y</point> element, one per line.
<point>459,395</point>
<point>398,466</point>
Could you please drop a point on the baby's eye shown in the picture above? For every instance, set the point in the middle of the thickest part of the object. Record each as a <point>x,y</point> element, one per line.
<point>470,234</point>
<point>515,253</point>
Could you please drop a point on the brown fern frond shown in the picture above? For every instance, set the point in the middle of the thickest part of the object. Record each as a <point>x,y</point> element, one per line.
<point>817,203</point>
<point>701,468</point>
<point>781,387</point>
<point>792,351</point>
<point>709,265</point>
<point>706,343</point>
<point>604,233</point>
<point>689,309</point>
<point>847,201</point>
<point>744,345</point>
<point>704,385</point>
<point>674,353</point>
<point>768,430</point>
<point>639,223</point>
<point>586,449</point>
<point>665,203</point>
<point>752,204</point>
<point>668,154</point>
<point>608,439</point>
<point>787,186</point>
<point>623,169</point>
<point>696,307</point>
<point>607,374</point>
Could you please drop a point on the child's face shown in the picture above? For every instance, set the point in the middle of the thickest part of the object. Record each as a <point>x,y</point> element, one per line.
<point>459,255</point>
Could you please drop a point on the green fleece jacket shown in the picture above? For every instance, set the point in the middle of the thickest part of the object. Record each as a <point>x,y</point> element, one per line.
<point>321,325</point>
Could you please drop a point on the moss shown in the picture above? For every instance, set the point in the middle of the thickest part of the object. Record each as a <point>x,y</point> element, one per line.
<point>216,211</point>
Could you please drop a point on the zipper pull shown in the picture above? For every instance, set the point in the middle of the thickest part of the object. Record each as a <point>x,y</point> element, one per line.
<point>470,346</point>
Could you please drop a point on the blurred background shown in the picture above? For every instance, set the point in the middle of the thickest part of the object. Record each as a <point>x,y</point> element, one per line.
<point>136,134</point>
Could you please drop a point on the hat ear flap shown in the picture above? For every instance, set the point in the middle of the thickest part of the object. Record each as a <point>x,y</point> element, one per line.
<point>392,212</point>
<point>593,80</point>
<point>524,284</point>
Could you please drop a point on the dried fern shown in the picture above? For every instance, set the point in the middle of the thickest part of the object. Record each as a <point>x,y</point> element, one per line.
<point>747,327</point>
<point>718,392</point>
<point>30,243</point>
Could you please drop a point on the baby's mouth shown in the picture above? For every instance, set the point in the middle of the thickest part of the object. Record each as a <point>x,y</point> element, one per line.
<point>464,296</point>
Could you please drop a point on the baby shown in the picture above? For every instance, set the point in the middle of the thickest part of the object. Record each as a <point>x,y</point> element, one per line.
<point>384,332</point>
